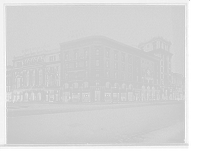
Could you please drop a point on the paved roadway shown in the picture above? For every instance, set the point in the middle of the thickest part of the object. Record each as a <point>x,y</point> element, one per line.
<point>119,124</point>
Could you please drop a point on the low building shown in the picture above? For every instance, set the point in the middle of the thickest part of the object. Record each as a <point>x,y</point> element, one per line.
<point>30,72</point>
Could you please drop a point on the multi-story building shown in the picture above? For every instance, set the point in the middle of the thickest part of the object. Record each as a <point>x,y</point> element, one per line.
<point>161,48</point>
<point>177,82</point>
<point>8,83</point>
<point>108,68</point>
<point>30,72</point>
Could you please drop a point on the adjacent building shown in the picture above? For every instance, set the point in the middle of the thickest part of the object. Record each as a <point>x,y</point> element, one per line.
<point>178,86</point>
<point>97,68</point>
<point>161,48</point>
<point>36,76</point>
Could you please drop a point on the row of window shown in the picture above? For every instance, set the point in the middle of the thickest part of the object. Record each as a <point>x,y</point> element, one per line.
<point>55,68</point>
<point>162,46</point>
<point>52,83</point>
<point>77,64</point>
<point>52,58</point>
<point>76,54</point>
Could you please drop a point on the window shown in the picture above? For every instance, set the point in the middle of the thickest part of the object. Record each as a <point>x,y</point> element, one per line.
<point>154,45</point>
<point>67,65</point>
<point>75,74</point>
<point>75,64</point>
<point>97,62</point>
<point>137,78</point>
<point>97,73</point>
<point>130,58</point>
<point>75,55</point>
<point>136,61</point>
<point>97,51</point>
<point>108,74</point>
<point>116,75</point>
<point>66,76</point>
<point>123,57</point>
<point>158,44</point>
<point>85,84</point>
<point>107,64</point>
<point>156,66</point>
<point>86,73</point>
<point>130,77</point>
<point>129,68</point>
<point>116,65</point>
<point>115,55</point>
<point>123,67</point>
<point>86,63</point>
<point>136,69</point>
<point>142,71</point>
<point>123,76</point>
<point>75,85</point>
<point>52,79</point>
<point>86,52</point>
<point>107,52</point>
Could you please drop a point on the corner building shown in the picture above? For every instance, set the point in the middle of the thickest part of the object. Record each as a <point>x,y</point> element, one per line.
<point>99,69</point>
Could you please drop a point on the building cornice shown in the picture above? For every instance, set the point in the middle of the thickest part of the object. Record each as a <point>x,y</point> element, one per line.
<point>106,41</point>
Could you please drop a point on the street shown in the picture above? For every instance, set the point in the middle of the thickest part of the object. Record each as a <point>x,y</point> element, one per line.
<point>118,124</point>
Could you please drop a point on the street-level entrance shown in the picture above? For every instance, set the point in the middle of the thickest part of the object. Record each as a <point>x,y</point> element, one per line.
<point>97,96</point>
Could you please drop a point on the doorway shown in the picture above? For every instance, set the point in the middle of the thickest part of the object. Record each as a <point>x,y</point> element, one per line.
<point>97,96</point>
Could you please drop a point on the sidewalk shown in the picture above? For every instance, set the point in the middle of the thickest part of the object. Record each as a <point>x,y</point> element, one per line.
<point>26,109</point>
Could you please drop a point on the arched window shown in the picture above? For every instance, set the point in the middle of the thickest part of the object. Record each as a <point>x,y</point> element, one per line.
<point>130,86</point>
<point>40,77</point>
<point>66,85</point>
<point>85,84</point>
<point>123,86</point>
<point>97,51</point>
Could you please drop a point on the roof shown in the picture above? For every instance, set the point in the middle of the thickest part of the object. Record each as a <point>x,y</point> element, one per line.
<point>153,40</point>
<point>106,41</point>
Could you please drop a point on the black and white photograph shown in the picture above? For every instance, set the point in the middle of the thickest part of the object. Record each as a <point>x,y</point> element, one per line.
<point>96,74</point>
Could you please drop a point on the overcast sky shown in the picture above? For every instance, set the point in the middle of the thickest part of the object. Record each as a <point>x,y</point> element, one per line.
<point>38,26</point>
